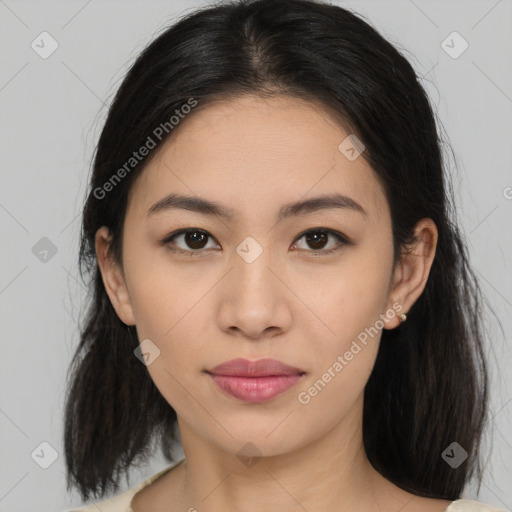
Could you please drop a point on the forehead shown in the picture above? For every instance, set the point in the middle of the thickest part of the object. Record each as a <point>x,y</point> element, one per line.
<point>253,152</point>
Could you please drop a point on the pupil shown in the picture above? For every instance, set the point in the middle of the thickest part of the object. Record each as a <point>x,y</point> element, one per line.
<point>194,243</point>
<point>312,238</point>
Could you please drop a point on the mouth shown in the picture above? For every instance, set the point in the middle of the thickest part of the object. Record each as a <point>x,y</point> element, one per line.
<point>255,381</point>
<point>259,368</point>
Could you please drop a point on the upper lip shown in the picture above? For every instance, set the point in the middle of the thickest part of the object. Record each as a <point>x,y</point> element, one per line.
<point>259,368</point>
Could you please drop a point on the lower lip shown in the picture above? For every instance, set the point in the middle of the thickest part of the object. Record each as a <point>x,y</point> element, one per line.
<point>255,389</point>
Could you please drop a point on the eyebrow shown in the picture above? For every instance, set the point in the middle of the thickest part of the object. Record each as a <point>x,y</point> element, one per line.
<point>207,207</point>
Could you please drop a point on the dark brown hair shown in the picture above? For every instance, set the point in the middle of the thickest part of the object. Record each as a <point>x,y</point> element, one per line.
<point>429,386</point>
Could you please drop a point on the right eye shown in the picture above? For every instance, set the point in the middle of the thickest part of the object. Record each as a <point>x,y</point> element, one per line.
<point>194,238</point>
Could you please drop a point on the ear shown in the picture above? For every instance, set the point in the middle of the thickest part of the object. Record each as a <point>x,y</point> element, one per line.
<point>410,276</point>
<point>113,277</point>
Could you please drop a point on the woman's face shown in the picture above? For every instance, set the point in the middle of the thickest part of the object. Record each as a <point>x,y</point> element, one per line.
<point>257,286</point>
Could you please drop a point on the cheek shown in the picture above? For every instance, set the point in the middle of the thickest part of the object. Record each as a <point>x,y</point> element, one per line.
<point>351,303</point>
<point>160,295</point>
<point>351,296</point>
<point>344,358</point>
<point>165,318</point>
<point>168,306</point>
<point>171,324</point>
<point>331,394</point>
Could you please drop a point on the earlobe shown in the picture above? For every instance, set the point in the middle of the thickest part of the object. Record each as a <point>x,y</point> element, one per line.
<point>411,274</point>
<point>113,278</point>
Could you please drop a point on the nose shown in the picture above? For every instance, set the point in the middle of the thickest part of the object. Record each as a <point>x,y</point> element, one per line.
<point>255,301</point>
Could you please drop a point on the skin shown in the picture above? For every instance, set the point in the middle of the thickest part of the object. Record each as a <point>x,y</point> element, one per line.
<point>253,155</point>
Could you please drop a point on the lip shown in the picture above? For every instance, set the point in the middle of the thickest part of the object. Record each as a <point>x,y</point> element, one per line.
<point>255,381</point>
<point>260,368</point>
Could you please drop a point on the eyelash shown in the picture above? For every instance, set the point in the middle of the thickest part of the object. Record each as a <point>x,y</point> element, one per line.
<point>197,252</point>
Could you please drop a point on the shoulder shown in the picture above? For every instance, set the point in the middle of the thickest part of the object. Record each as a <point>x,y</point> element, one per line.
<point>464,505</point>
<point>121,502</point>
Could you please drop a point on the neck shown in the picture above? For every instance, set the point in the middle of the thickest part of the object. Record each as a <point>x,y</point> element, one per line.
<point>331,473</point>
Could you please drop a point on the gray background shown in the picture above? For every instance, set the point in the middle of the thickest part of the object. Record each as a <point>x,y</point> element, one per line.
<point>52,113</point>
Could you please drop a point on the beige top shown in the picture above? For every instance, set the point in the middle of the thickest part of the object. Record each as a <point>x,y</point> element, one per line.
<point>122,502</point>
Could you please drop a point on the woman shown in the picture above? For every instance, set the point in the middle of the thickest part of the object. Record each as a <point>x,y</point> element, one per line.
<point>277,271</point>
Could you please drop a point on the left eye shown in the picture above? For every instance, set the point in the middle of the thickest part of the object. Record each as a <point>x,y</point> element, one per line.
<point>196,239</point>
<point>318,237</point>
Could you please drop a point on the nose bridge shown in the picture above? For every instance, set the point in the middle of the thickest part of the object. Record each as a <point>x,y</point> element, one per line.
<point>251,265</point>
